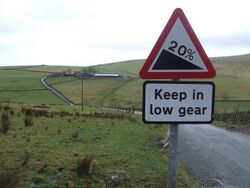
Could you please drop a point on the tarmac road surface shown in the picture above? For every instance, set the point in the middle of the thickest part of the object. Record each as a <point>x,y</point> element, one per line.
<point>211,152</point>
<point>53,90</point>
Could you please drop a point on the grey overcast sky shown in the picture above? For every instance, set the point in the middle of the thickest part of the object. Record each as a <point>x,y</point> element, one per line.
<point>90,32</point>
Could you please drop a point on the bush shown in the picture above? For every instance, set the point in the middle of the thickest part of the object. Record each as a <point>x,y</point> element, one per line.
<point>85,165</point>
<point>5,120</point>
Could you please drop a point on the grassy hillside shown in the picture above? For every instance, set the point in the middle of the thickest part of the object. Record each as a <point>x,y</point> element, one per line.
<point>232,83</point>
<point>14,79</point>
<point>234,66</point>
<point>126,68</point>
<point>106,92</point>
<point>20,86</point>
<point>42,68</point>
<point>46,68</point>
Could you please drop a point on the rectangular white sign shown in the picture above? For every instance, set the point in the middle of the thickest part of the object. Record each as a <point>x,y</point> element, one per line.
<point>178,102</point>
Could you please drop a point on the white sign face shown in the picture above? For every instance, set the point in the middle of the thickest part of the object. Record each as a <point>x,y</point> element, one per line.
<point>178,102</point>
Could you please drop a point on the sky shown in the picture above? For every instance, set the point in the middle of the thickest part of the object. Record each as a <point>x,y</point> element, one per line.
<point>90,32</point>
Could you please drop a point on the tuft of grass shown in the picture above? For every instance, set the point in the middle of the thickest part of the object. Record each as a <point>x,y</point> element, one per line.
<point>85,165</point>
<point>28,119</point>
<point>75,135</point>
<point>27,139</point>
<point>5,120</point>
<point>26,158</point>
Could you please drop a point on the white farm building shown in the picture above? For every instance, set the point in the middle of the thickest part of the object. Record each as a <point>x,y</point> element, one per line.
<point>107,75</point>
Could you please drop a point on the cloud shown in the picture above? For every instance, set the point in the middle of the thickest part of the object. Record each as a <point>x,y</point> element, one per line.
<point>6,29</point>
<point>92,32</point>
<point>233,40</point>
<point>49,35</point>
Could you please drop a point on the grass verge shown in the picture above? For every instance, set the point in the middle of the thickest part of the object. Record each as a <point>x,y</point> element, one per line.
<point>48,151</point>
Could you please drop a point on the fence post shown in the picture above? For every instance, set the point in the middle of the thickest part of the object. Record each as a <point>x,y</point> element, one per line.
<point>236,113</point>
<point>133,109</point>
<point>224,114</point>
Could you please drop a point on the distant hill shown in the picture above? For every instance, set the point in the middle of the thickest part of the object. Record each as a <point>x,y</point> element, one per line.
<point>22,83</point>
<point>126,68</point>
<point>235,66</point>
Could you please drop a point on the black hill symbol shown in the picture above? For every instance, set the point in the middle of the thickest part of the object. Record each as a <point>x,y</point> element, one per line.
<point>169,61</point>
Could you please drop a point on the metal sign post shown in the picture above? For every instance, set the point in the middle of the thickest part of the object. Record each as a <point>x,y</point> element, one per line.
<point>173,142</point>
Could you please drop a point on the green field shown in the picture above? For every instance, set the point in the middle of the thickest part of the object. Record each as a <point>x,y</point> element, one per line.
<point>103,92</point>
<point>234,66</point>
<point>18,86</point>
<point>232,84</point>
<point>46,154</point>
<point>126,68</point>
<point>16,79</point>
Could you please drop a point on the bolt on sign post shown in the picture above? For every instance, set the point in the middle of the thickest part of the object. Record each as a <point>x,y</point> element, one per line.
<point>177,54</point>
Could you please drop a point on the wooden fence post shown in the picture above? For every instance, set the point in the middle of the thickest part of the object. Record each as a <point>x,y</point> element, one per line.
<point>236,113</point>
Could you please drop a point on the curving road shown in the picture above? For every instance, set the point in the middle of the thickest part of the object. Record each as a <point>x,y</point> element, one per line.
<point>53,90</point>
<point>211,152</point>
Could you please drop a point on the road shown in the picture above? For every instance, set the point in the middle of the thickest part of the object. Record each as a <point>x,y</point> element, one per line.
<point>53,90</point>
<point>211,152</point>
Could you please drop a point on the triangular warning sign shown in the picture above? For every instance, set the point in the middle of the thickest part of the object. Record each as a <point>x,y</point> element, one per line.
<point>177,53</point>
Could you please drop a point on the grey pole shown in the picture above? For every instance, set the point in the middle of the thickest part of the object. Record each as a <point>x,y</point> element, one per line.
<point>173,142</point>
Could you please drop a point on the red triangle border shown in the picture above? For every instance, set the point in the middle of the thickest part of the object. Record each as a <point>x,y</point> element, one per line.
<point>145,74</point>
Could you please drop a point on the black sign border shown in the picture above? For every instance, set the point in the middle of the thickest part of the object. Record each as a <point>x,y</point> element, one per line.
<point>176,82</point>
